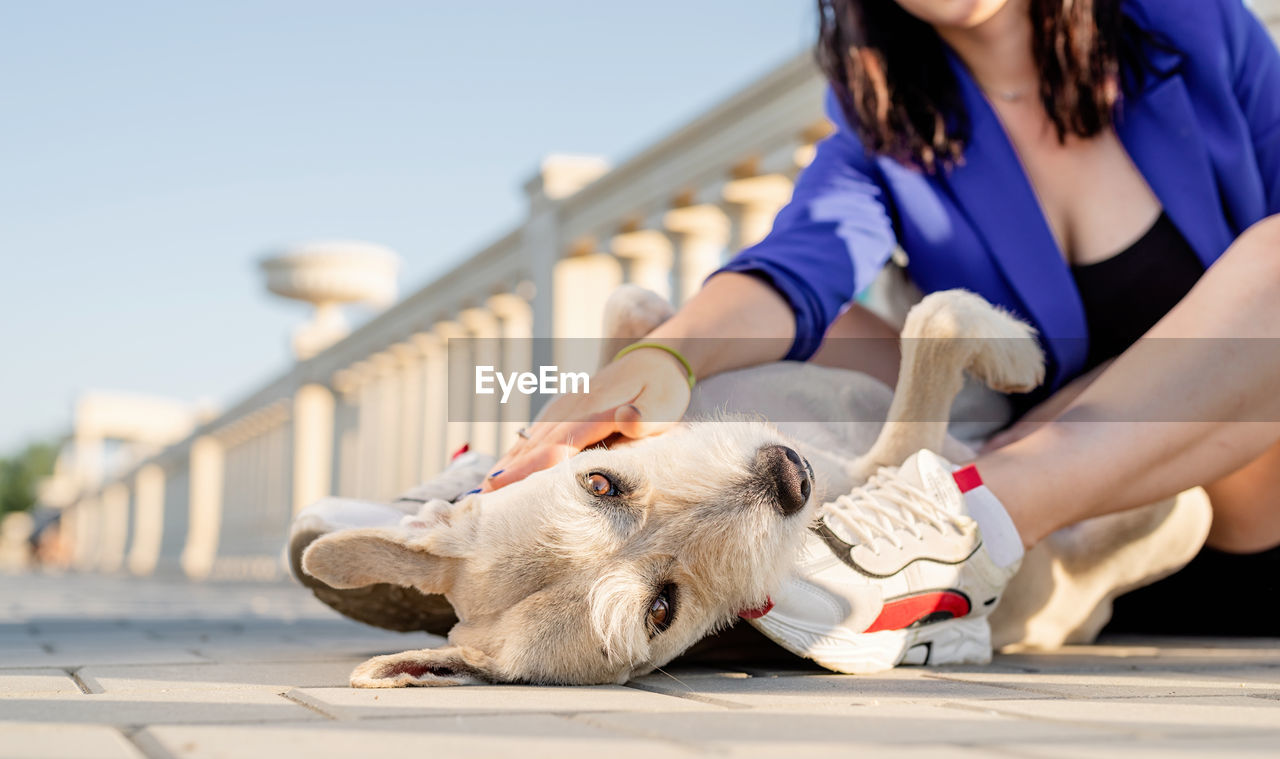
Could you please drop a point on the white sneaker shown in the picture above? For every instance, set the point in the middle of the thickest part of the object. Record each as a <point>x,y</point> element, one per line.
<point>897,572</point>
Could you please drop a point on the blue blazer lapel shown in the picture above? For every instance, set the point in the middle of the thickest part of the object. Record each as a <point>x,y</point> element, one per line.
<point>992,190</point>
<point>1162,135</point>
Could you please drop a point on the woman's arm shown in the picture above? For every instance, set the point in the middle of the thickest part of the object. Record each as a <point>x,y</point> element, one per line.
<point>736,320</point>
<point>773,300</point>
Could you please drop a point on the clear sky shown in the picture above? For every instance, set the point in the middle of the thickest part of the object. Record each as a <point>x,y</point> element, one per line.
<point>150,152</point>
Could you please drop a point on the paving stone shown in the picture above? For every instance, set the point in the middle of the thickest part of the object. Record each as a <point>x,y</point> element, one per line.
<point>51,740</point>
<point>893,724</point>
<point>171,658</point>
<point>1156,716</point>
<point>529,736</point>
<point>827,692</point>
<point>356,703</point>
<point>1094,685</point>
<point>27,681</point>
<point>1248,746</point>
<point>108,652</point>
<point>273,677</point>
<point>176,706</point>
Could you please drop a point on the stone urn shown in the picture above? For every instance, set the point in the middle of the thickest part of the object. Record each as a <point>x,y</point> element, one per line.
<point>328,274</point>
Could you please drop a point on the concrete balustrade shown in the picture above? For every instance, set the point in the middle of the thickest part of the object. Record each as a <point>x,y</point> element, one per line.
<point>485,333</point>
<point>435,396</point>
<point>115,526</point>
<point>700,234</point>
<point>371,413</point>
<point>517,356</point>
<point>148,519</point>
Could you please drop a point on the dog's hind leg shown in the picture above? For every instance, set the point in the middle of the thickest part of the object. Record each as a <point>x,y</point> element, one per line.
<point>1064,590</point>
<point>946,333</point>
<point>630,313</point>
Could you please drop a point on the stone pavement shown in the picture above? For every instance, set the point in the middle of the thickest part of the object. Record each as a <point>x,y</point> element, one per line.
<point>102,667</point>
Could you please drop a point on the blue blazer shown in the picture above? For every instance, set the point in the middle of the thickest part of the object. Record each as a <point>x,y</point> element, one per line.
<point>1204,130</point>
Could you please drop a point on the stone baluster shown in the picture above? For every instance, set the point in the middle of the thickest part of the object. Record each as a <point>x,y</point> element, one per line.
<point>435,401</point>
<point>346,431</point>
<point>647,257</point>
<point>582,285</point>
<point>205,506</point>
<point>86,524</point>
<point>486,350</point>
<point>516,318</point>
<point>408,449</point>
<point>115,526</point>
<point>753,203</point>
<point>1269,12</point>
<point>366,465</point>
<point>700,234</point>
<point>313,428</point>
<point>386,463</point>
<point>459,385</point>
<point>148,519</point>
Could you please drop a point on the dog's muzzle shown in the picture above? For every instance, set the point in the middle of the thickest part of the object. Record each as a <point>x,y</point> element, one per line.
<point>787,474</point>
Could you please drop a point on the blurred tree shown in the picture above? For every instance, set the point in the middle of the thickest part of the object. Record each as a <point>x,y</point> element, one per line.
<point>20,474</point>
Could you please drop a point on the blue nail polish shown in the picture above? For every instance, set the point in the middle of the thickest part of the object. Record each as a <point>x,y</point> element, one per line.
<point>472,492</point>
<point>495,474</point>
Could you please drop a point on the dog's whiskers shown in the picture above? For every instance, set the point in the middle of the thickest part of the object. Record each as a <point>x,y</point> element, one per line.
<point>673,677</point>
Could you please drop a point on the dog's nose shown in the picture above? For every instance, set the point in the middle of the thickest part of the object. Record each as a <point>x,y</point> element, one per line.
<point>787,475</point>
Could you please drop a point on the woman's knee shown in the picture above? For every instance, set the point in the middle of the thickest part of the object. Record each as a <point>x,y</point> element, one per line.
<point>1263,238</point>
<point>1254,259</point>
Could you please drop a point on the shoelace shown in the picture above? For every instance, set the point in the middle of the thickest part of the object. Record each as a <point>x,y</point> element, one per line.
<point>884,504</point>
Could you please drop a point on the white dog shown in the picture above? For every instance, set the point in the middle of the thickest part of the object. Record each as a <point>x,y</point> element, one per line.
<point>617,560</point>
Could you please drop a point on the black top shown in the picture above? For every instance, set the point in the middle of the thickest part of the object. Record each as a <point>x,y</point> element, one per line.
<point>1126,294</point>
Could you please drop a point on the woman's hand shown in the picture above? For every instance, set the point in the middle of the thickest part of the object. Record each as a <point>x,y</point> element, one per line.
<point>641,394</point>
<point>735,320</point>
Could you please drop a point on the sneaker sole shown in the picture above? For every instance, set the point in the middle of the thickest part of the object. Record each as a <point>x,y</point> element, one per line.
<point>960,641</point>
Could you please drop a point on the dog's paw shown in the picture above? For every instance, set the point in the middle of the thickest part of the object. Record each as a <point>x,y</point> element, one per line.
<point>633,312</point>
<point>1010,359</point>
<point>1005,354</point>
<point>428,667</point>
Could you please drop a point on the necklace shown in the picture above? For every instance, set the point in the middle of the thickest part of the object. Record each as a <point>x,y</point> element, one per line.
<point>1009,96</point>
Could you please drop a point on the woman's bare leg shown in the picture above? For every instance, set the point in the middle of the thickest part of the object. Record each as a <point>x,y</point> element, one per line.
<point>1246,506</point>
<point>1168,414</point>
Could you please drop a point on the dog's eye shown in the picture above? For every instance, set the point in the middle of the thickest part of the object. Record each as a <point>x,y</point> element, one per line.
<point>662,610</point>
<point>601,485</point>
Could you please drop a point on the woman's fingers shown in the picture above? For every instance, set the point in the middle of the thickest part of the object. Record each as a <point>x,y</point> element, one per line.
<point>533,460</point>
<point>552,444</point>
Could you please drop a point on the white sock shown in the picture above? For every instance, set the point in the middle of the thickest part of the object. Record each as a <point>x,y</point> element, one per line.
<point>1001,538</point>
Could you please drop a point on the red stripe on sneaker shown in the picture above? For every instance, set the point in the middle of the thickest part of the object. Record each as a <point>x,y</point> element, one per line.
<point>967,478</point>
<point>905,612</point>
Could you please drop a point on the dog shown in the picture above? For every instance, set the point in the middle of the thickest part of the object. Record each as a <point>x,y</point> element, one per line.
<point>618,559</point>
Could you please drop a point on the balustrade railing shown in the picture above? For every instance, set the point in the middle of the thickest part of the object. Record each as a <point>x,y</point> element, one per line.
<point>369,416</point>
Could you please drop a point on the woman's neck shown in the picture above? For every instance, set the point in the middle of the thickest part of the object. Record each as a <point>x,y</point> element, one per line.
<point>998,51</point>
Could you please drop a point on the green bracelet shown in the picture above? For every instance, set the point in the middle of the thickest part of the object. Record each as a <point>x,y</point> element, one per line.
<point>683,361</point>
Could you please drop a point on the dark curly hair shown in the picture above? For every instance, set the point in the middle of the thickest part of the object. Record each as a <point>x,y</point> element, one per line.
<point>890,73</point>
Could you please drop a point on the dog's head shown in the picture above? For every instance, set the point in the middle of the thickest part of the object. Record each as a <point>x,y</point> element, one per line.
<point>596,570</point>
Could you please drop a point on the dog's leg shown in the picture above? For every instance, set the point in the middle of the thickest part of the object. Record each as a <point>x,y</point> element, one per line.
<point>945,334</point>
<point>1063,592</point>
<point>630,313</point>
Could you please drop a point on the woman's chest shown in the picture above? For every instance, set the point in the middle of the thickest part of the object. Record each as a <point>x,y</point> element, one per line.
<point>1092,196</point>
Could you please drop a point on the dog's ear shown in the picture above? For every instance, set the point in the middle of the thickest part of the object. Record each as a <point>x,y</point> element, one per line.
<point>359,557</point>
<point>452,665</point>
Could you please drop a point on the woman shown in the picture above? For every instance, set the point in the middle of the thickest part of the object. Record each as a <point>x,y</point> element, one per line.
<point>1107,170</point>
